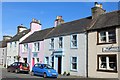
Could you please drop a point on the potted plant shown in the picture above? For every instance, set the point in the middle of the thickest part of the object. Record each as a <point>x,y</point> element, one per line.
<point>64,74</point>
<point>68,74</point>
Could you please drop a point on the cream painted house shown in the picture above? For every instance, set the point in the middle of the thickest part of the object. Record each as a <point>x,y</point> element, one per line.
<point>104,44</point>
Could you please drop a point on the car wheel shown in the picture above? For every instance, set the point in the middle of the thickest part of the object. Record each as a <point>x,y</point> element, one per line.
<point>16,71</point>
<point>32,73</point>
<point>44,75</point>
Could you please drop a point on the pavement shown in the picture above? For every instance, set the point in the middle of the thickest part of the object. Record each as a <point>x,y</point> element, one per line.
<point>1,66</point>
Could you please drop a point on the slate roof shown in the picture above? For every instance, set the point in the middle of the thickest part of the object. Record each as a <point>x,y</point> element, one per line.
<point>107,20</point>
<point>37,36</point>
<point>72,27</point>
<point>19,35</point>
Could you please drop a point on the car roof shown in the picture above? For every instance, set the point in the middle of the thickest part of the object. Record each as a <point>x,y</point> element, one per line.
<point>41,64</point>
<point>17,62</point>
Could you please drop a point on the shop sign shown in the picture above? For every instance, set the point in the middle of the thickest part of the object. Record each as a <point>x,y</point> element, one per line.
<point>35,54</point>
<point>111,49</point>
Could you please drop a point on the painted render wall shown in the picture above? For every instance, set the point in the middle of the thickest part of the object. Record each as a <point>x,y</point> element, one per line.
<point>11,52</point>
<point>118,53</point>
<point>29,53</point>
<point>3,54</point>
<point>93,51</point>
<point>68,52</point>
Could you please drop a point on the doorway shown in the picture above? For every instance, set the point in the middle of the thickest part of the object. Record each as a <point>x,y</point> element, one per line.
<point>25,60</point>
<point>59,64</point>
<point>33,62</point>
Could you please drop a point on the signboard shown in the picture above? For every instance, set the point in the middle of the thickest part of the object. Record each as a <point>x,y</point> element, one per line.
<point>35,54</point>
<point>111,49</point>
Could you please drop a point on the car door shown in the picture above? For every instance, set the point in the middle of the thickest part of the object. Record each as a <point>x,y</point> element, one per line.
<point>34,69</point>
<point>12,67</point>
<point>40,69</point>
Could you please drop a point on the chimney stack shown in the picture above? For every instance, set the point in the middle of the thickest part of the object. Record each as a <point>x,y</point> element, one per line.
<point>21,28</point>
<point>58,21</point>
<point>35,25</point>
<point>6,37</point>
<point>97,10</point>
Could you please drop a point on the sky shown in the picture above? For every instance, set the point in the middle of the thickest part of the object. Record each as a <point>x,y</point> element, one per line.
<point>16,13</point>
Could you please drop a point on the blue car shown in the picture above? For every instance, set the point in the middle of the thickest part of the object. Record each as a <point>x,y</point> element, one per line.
<point>44,70</point>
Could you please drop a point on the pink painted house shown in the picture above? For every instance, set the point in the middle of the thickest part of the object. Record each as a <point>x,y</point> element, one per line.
<point>32,48</point>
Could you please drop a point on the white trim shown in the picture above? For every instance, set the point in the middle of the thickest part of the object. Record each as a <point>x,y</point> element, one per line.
<point>73,47</point>
<point>37,47</point>
<point>71,64</point>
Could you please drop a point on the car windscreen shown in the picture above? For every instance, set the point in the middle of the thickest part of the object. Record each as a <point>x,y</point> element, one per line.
<point>48,66</point>
<point>25,65</point>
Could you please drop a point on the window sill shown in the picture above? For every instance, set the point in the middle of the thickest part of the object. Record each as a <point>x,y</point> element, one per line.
<point>35,51</point>
<point>24,52</point>
<point>106,43</point>
<point>74,48</point>
<point>51,49</point>
<point>73,70</point>
<point>114,71</point>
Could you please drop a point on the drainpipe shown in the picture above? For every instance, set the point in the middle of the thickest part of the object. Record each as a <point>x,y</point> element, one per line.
<point>86,54</point>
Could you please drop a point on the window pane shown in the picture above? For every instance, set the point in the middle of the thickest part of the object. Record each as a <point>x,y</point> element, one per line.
<point>103,36</point>
<point>74,41</point>
<point>103,62</point>
<point>60,42</point>
<point>112,62</point>
<point>74,65</point>
<point>74,59</point>
<point>74,62</point>
<point>112,36</point>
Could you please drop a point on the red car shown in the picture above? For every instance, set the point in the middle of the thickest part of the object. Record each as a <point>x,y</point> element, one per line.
<point>18,67</point>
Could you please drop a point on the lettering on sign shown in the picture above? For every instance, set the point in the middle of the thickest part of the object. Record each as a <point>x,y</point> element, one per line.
<point>111,49</point>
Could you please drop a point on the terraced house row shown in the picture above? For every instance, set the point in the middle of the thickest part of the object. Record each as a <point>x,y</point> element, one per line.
<point>87,47</point>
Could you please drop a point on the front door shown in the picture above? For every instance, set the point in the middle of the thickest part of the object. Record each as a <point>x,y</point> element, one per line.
<point>59,64</point>
<point>33,62</point>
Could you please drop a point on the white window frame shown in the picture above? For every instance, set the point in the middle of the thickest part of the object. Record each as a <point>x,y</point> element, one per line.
<point>10,44</point>
<point>25,47</point>
<point>52,43</point>
<point>107,67</point>
<point>46,61</point>
<point>71,41</point>
<point>36,47</point>
<point>60,43</point>
<point>107,36</point>
<point>15,44</point>
<point>71,64</point>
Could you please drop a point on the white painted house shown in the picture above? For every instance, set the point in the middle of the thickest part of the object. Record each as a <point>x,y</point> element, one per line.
<point>65,47</point>
<point>13,44</point>
<point>3,50</point>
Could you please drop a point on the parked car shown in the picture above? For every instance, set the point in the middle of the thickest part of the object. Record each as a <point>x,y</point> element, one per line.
<point>44,70</point>
<point>18,67</point>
